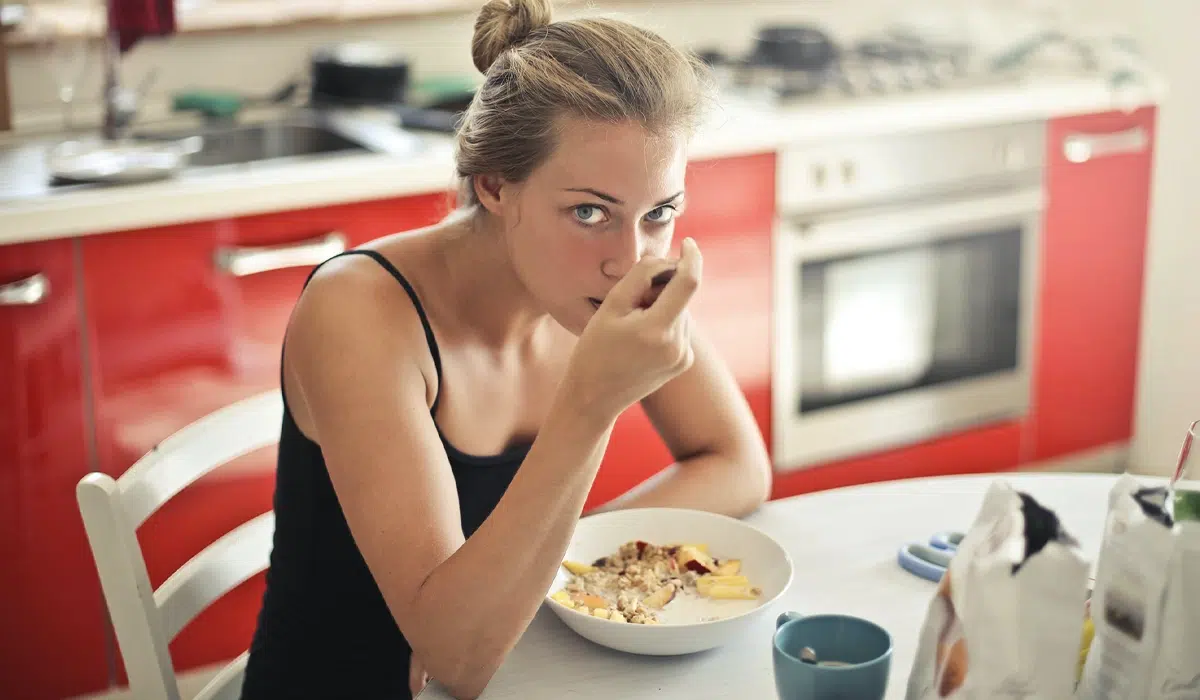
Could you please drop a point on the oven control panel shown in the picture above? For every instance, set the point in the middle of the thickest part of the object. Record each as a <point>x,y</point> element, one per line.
<point>881,169</point>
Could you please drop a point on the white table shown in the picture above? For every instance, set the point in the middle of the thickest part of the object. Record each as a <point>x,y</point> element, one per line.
<point>844,545</point>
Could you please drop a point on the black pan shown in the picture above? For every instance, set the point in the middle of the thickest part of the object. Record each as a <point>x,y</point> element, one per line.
<point>359,74</point>
<point>796,47</point>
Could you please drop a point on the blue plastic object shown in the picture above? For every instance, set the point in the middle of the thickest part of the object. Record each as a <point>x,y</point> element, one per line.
<point>946,540</point>
<point>927,562</point>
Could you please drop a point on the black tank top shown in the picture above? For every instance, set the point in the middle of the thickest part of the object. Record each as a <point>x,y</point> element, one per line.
<point>324,630</point>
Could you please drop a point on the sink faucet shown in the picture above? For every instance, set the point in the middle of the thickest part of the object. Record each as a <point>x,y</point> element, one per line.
<point>120,102</point>
<point>118,111</point>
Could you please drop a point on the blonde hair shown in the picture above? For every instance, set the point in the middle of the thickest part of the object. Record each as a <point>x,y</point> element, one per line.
<point>538,71</point>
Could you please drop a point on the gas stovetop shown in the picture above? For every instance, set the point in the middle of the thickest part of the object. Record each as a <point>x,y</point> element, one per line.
<point>878,67</point>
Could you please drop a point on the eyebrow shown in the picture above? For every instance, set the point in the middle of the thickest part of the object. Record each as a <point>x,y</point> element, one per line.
<point>614,200</point>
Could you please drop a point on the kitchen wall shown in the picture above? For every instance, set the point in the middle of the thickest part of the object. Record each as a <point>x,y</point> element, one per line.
<point>1169,396</point>
<point>436,44</point>
<point>1169,376</point>
<point>441,43</point>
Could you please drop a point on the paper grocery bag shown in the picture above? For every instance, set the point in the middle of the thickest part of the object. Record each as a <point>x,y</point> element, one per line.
<point>1146,605</point>
<point>1007,616</point>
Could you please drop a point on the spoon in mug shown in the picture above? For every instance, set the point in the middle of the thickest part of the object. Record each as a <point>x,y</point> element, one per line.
<point>809,656</point>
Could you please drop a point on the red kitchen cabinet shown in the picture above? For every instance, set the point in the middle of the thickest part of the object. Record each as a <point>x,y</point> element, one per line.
<point>730,213</point>
<point>182,320</point>
<point>52,621</point>
<point>992,448</point>
<point>1093,256</point>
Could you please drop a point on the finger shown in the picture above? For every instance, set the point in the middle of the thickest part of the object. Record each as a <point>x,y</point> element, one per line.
<point>627,294</point>
<point>682,287</point>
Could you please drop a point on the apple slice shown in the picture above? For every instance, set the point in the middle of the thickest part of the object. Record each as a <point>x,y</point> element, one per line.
<point>727,592</point>
<point>564,598</point>
<point>578,568</point>
<point>693,559</point>
<point>729,567</point>
<point>660,598</point>
<point>706,582</point>
<point>592,601</point>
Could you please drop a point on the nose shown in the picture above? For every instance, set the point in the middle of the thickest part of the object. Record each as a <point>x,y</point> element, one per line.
<point>624,251</point>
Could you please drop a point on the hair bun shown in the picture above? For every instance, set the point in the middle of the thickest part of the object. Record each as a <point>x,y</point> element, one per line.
<point>502,24</point>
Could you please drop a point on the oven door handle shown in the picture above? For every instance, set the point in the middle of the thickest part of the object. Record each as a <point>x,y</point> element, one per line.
<point>1081,148</point>
<point>817,239</point>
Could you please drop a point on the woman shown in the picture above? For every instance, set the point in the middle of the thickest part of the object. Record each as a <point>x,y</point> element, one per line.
<point>421,371</point>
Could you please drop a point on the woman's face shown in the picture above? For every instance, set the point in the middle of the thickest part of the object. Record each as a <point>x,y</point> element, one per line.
<point>606,196</point>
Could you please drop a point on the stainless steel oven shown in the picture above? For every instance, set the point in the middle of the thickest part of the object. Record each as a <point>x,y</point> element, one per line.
<point>906,275</point>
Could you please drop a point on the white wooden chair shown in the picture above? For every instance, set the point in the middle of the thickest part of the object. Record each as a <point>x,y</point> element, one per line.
<point>146,620</point>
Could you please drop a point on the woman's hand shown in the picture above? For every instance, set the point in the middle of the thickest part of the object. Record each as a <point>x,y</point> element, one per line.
<point>629,350</point>
<point>417,678</point>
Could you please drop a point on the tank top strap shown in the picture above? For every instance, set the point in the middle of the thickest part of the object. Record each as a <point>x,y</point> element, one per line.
<point>416,301</point>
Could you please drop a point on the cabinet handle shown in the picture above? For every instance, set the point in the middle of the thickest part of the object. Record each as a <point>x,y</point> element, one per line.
<point>1080,148</point>
<point>242,261</point>
<point>27,292</point>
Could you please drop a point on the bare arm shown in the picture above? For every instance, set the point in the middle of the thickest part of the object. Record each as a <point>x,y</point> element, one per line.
<point>366,393</point>
<point>722,464</point>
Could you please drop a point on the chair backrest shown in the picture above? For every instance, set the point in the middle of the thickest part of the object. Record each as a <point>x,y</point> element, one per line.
<point>146,620</point>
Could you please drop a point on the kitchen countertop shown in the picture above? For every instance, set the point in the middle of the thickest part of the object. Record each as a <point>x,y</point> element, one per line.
<point>29,210</point>
<point>844,544</point>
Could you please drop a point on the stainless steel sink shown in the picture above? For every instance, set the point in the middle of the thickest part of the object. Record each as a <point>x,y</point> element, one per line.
<point>248,143</point>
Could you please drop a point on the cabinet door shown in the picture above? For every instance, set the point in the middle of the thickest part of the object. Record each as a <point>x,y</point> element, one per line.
<point>1093,256</point>
<point>731,207</point>
<point>982,450</point>
<point>52,621</point>
<point>184,320</point>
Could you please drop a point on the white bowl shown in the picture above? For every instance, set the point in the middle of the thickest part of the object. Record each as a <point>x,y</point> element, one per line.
<point>687,623</point>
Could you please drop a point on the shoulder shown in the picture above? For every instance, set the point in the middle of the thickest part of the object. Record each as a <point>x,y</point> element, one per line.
<point>354,288</point>
<point>354,313</point>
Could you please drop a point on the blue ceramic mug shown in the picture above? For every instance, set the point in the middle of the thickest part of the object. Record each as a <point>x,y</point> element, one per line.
<point>854,657</point>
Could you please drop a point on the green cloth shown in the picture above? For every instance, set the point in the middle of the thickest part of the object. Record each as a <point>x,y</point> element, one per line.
<point>212,104</point>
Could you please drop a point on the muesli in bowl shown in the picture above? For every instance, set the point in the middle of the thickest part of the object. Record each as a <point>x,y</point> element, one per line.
<point>677,581</point>
<point>638,581</point>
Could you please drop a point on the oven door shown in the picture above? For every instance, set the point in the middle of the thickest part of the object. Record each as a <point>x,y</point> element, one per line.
<point>894,327</point>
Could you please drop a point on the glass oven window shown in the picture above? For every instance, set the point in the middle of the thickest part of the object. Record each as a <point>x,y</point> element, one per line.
<point>883,322</point>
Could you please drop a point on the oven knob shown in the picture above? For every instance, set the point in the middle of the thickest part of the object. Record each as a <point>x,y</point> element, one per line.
<point>849,172</point>
<point>818,175</point>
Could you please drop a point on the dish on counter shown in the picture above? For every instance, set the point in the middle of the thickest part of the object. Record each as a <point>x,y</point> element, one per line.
<point>99,161</point>
<point>692,580</point>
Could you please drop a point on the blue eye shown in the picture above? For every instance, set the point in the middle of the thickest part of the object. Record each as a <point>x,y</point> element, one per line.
<point>589,214</point>
<point>662,214</point>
